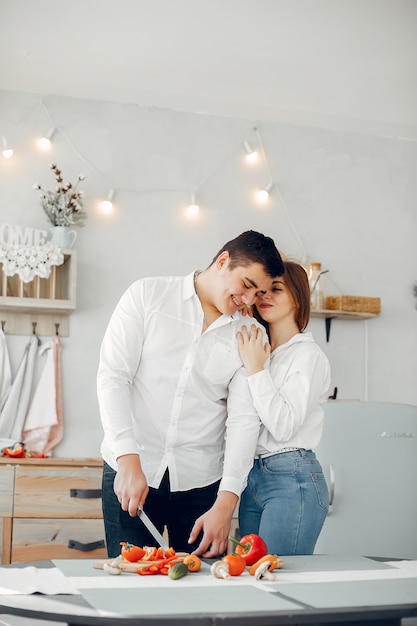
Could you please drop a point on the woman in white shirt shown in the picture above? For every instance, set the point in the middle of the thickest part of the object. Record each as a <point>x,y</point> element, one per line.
<point>286,499</point>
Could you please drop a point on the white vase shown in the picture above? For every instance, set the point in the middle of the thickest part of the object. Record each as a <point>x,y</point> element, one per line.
<point>63,237</point>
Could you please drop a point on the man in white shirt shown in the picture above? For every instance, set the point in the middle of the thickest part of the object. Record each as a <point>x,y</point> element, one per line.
<point>180,430</point>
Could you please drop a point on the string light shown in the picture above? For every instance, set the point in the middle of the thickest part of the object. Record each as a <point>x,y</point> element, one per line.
<point>251,155</point>
<point>193,209</point>
<point>106,206</point>
<point>7,152</point>
<point>44,143</point>
<point>262,195</point>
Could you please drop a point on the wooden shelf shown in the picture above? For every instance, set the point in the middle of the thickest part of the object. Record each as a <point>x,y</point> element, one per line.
<point>328,315</point>
<point>45,302</point>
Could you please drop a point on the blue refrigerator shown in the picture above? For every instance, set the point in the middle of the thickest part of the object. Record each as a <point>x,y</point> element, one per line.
<point>369,456</point>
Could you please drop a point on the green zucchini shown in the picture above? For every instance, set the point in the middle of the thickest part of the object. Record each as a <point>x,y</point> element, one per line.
<point>178,571</point>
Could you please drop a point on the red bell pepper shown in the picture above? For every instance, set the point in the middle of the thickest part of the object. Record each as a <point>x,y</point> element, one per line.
<point>160,567</point>
<point>17,452</point>
<point>251,547</point>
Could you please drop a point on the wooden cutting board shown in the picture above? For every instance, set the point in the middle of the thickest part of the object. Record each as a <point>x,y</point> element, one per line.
<point>128,566</point>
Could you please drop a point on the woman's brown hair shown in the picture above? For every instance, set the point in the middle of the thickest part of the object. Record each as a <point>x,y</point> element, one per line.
<point>296,281</point>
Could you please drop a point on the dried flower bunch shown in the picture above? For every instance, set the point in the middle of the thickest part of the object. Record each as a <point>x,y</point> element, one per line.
<point>64,206</point>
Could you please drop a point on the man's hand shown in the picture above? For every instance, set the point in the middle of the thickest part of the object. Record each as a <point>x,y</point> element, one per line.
<point>130,484</point>
<point>215,526</point>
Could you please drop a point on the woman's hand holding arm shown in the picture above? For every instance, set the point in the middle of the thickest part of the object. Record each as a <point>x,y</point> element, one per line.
<point>253,349</point>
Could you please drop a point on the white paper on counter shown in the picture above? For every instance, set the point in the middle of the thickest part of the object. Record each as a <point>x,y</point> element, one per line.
<point>28,580</point>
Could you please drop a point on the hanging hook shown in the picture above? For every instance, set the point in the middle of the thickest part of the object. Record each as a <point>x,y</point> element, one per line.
<point>34,324</point>
<point>57,329</point>
<point>3,324</point>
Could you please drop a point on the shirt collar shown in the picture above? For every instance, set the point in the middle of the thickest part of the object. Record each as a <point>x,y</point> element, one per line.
<point>188,290</point>
<point>305,337</point>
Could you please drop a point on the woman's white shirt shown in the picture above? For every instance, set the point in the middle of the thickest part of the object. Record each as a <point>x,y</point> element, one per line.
<point>289,394</point>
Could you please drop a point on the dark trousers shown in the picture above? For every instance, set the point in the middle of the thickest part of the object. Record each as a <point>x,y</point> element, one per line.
<point>177,511</point>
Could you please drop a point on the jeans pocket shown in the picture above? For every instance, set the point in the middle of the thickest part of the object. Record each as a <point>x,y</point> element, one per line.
<point>322,490</point>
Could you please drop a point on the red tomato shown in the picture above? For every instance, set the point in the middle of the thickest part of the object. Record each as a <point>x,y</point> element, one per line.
<point>236,563</point>
<point>131,552</point>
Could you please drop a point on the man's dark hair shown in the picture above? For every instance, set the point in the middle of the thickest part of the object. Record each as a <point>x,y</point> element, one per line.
<point>252,247</point>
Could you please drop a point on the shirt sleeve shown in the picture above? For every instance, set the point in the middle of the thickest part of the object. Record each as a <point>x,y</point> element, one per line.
<point>284,396</point>
<point>242,431</point>
<point>119,359</point>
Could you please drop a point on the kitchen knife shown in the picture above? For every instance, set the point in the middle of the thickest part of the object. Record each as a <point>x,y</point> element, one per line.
<point>152,529</point>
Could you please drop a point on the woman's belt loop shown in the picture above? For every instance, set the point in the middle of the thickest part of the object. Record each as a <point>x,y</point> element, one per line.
<point>264,456</point>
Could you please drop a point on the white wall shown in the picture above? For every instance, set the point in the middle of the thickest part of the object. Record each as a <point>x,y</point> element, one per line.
<point>345,199</point>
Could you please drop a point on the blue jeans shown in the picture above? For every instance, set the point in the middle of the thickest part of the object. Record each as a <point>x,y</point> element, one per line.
<point>177,511</point>
<point>285,502</point>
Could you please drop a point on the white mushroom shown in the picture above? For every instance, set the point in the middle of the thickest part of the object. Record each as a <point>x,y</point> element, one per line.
<point>112,569</point>
<point>117,561</point>
<point>220,569</point>
<point>262,572</point>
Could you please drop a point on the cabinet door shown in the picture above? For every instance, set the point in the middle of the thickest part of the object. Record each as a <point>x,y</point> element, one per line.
<point>42,539</point>
<point>6,490</point>
<point>57,492</point>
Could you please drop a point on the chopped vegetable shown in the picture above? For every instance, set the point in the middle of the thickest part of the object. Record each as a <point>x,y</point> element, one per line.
<point>236,563</point>
<point>170,552</point>
<point>131,552</point>
<point>159,567</point>
<point>251,547</point>
<point>193,562</point>
<point>150,554</point>
<point>16,452</point>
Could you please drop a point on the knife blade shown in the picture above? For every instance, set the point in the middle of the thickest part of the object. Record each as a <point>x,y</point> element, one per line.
<point>152,529</point>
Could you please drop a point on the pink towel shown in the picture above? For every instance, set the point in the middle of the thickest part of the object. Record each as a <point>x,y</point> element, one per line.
<point>56,432</point>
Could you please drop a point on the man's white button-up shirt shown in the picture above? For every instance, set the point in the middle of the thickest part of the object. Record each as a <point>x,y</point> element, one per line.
<point>178,398</point>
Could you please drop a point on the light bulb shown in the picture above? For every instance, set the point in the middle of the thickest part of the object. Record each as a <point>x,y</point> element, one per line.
<point>106,206</point>
<point>7,152</point>
<point>44,143</point>
<point>193,209</point>
<point>262,195</point>
<point>251,155</point>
